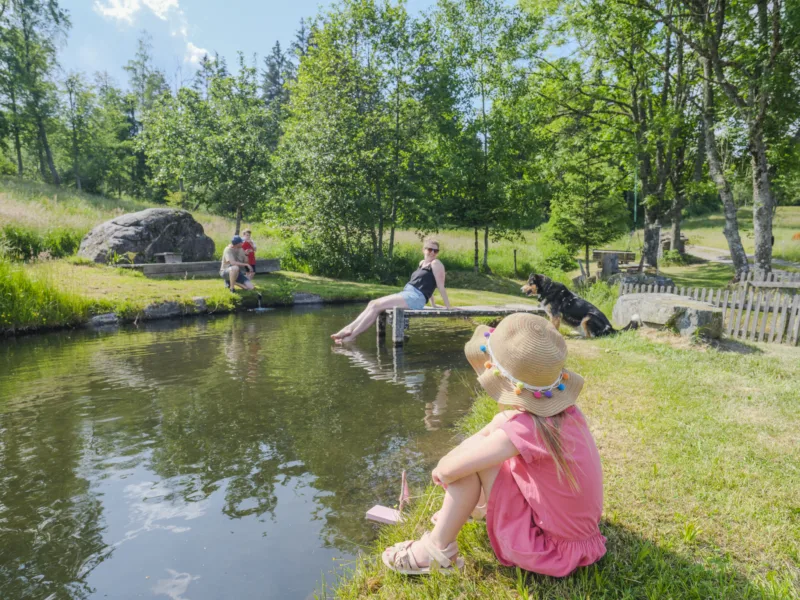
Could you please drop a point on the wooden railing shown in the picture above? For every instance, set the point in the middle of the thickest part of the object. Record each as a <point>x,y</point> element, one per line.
<point>748,313</point>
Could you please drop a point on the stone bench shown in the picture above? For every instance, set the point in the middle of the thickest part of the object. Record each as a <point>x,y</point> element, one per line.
<point>684,315</point>
<point>210,268</point>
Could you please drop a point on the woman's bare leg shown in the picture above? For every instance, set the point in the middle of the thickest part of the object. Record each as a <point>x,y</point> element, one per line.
<point>370,315</point>
<point>365,315</point>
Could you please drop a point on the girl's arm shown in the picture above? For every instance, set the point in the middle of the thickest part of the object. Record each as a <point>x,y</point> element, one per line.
<point>438,273</point>
<point>493,450</point>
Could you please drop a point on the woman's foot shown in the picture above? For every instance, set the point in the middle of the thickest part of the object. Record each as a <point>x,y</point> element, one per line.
<point>344,332</point>
<point>415,557</point>
<point>346,339</point>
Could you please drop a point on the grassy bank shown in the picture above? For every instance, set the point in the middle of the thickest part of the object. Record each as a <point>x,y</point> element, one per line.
<point>701,481</point>
<point>66,292</point>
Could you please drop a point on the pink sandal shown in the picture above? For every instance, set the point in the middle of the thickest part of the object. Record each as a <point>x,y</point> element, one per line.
<point>401,559</point>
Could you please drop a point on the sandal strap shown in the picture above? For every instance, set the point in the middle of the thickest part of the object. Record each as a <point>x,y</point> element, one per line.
<point>440,557</point>
<point>404,557</point>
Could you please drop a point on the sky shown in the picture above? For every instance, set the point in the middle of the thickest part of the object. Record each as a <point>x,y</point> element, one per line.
<point>104,33</point>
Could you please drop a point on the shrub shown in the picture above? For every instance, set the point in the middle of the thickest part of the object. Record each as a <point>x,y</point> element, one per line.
<point>24,243</point>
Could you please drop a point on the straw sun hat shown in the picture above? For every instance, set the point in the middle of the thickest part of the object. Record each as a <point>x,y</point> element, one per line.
<point>521,363</point>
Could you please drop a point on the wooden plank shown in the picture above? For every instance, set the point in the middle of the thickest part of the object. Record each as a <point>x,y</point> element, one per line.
<point>767,305</point>
<point>380,327</point>
<point>790,319</point>
<point>796,325</point>
<point>695,293</point>
<point>753,329</point>
<point>736,293</point>
<point>724,308</point>
<point>780,319</point>
<point>718,297</point>
<point>398,323</point>
<point>777,284</point>
<point>746,320</point>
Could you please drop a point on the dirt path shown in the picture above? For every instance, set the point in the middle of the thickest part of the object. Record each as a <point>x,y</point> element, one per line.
<point>723,256</point>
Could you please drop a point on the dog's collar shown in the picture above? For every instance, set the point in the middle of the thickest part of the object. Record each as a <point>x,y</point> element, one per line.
<point>537,391</point>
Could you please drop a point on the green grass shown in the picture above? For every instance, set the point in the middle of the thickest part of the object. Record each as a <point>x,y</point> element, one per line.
<point>33,301</point>
<point>701,481</point>
<point>88,288</point>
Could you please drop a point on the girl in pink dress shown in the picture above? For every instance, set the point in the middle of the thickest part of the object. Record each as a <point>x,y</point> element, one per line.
<point>537,464</point>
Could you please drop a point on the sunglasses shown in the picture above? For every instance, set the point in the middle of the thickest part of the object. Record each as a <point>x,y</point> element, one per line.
<point>434,250</point>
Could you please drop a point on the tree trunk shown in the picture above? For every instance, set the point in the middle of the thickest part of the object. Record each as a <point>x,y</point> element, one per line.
<point>477,252</point>
<point>652,235</point>
<point>238,219</point>
<point>486,268</point>
<point>715,169</point>
<point>17,142</point>
<point>42,168</point>
<point>586,258</point>
<point>76,159</point>
<point>763,202</point>
<point>47,152</point>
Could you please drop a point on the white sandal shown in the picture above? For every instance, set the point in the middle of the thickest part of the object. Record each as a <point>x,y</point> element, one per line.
<point>401,559</point>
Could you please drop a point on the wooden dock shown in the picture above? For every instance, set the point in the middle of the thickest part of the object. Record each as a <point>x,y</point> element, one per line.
<point>397,320</point>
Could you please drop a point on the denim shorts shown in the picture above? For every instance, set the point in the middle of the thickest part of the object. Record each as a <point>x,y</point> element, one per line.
<point>413,297</point>
<point>226,275</point>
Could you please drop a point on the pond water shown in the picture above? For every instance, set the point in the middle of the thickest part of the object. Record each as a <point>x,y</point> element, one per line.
<point>227,457</point>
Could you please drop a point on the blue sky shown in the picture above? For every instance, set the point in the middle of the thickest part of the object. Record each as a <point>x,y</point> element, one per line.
<point>104,32</point>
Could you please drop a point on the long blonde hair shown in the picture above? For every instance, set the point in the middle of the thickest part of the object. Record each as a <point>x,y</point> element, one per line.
<point>549,429</point>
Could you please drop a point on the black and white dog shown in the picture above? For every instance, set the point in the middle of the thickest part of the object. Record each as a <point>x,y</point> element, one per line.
<point>562,304</point>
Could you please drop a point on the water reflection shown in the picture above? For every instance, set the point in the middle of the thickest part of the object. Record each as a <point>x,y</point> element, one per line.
<point>226,457</point>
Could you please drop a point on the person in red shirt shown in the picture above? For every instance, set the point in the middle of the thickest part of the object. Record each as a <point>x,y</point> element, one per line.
<point>249,248</point>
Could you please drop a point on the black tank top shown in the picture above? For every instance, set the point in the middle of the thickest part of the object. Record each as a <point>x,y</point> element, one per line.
<point>424,281</point>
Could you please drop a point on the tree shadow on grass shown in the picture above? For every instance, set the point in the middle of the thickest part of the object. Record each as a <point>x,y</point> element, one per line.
<point>726,345</point>
<point>635,567</point>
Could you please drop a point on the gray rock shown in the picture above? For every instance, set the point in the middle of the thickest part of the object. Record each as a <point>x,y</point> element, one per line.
<point>163,310</point>
<point>200,305</point>
<point>683,315</point>
<point>303,298</point>
<point>146,233</point>
<point>641,279</point>
<point>104,320</point>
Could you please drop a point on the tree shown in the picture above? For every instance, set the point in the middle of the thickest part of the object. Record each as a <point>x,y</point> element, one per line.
<point>30,30</point>
<point>78,116</point>
<point>588,208</point>
<point>218,146</point>
<point>751,53</point>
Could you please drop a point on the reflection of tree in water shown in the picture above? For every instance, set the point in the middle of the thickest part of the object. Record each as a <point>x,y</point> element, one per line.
<point>50,521</point>
<point>175,401</point>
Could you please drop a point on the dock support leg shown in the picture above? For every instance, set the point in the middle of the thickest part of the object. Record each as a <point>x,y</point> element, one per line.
<point>398,322</point>
<point>380,328</point>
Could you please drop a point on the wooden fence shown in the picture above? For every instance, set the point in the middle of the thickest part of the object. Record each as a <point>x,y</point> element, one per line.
<point>748,313</point>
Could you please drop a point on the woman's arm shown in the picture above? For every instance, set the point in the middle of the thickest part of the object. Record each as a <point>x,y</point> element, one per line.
<point>438,273</point>
<point>491,451</point>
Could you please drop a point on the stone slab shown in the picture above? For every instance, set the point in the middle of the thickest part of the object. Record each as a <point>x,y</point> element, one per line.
<point>683,315</point>
<point>163,310</point>
<point>303,298</point>
<point>104,320</point>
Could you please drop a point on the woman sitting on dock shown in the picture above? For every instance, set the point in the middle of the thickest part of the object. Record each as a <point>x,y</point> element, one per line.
<point>424,281</point>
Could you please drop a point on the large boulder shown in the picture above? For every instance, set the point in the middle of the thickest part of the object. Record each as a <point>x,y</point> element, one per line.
<point>684,315</point>
<point>146,233</point>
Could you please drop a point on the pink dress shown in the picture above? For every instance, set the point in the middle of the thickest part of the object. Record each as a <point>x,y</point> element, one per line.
<point>536,522</point>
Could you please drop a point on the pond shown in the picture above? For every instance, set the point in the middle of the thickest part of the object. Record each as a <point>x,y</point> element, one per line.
<point>220,457</point>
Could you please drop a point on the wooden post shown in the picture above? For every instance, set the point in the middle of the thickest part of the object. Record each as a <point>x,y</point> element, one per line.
<point>398,321</point>
<point>610,265</point>
<point>380,327</point>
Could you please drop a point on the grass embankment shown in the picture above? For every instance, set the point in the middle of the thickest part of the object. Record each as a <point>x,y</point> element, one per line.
<point>67,292</point>
<point>702,489</point>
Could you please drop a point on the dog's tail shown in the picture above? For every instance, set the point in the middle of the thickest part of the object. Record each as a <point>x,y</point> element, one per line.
<point>635,323</point>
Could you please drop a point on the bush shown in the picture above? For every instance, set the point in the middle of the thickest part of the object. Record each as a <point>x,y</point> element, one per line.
<point>24,244</point>
<point>32,302</point>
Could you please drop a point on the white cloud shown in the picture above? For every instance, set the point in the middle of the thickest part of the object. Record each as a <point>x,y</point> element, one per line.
<point>194,54</point>
<point>122,10</point>
<point>160,8</point>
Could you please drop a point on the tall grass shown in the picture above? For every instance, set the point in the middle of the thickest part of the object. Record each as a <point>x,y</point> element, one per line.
<point>33,301</point>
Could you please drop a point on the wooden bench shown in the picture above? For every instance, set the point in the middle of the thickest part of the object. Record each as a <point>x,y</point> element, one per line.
<point>623,256</point>
<point>168,257</point>
<point>397,319</point>
<point>210,268</point>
